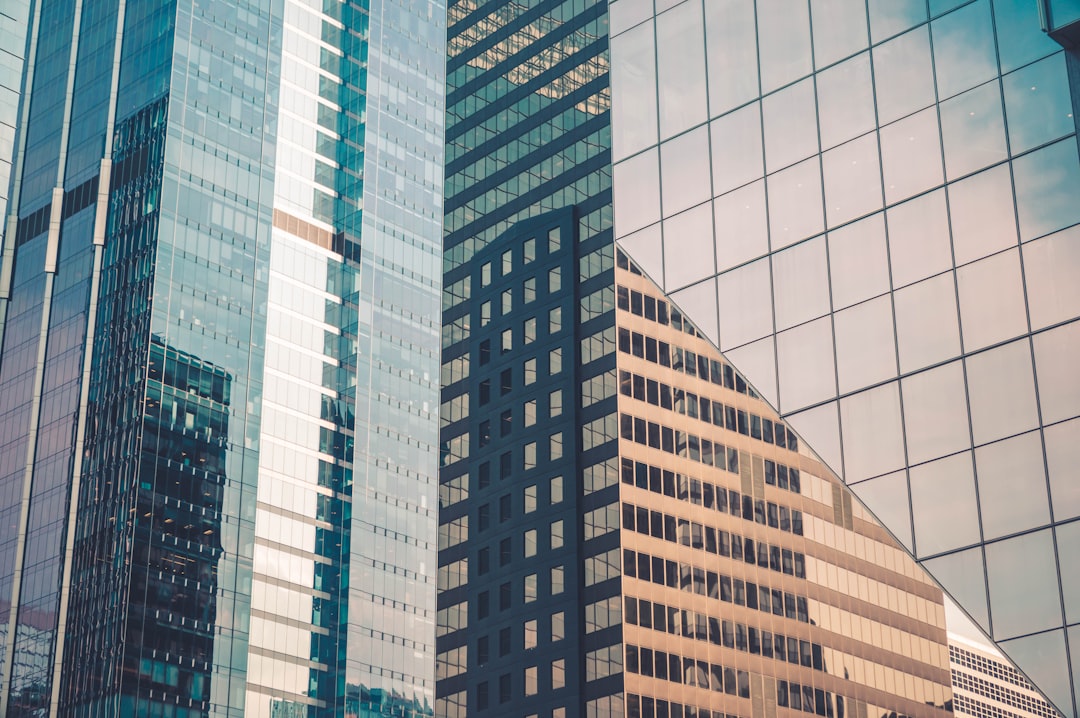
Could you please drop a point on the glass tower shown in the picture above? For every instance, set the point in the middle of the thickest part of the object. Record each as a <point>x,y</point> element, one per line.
<point>219,358</point>
<point>871,208</point>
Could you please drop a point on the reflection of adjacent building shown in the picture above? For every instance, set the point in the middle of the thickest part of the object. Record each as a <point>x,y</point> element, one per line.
<point>987,686</point>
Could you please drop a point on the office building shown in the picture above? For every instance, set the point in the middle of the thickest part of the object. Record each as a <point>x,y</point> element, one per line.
<point>549,601</point>
<point>871,209</point>
<point>219,359</point>
<point>987,686</point>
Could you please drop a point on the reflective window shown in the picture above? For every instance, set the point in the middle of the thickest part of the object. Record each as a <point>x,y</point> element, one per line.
<point>636,192</point>
<point>973,130</point>
<point>1017,44</point>
<point>903,78</point>
<point>746,295</point>
<point>859,261</point>
<point>964,52</point>
<point>1051,266</point>
<point>887,497</point>
<point>911,155</point>
<point>845,100</point>
<point>919,238</point>
<point>800,283</point>
<point>1044,660</point>
<point>889,17</point>
<point>633,90</point>
<point>923,342</point>
<point>1046,182</point>
<point>1001,469</point>
<point>1024,594</point>
<point>732,53</point>
<point>935,413</point>
<point>1001,390</point>
<point>1062,458</point>
<point>873,438</point>
<point>647,249</point>
<point>943,505</point>
<point>790,130</point>
<point>795,203</point>
<point>991,300</point>
<point>1068,542</point>
<point>807,374</point>
<point>680,58</point>
<point>736,148</point>
<point>688,236</point>
<point>1056,353</point>
<point>1037,104</point>
<point>963,575</point>
<point>784,34</point>
<point>982,213</point>
<point>684,171</point>
<point>742,231</point>
<point>839,29</point>
<point>852,180</point>
<point>865,346</point>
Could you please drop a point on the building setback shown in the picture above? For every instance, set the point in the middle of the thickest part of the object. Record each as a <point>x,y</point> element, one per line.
<point>219,358</point>
<point>871,209</point>
<point>985,686</point>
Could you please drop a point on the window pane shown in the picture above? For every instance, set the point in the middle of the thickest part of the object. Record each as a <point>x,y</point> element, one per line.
<point>1056,353</point>
<point>1046,182</point>
<point>1023,585</point>
<point>805,360</point>
<point>943,505</point>
<point>903,78</point>
<point>790,129</point>
<point>839,29</point>
<point>973,130</point>
<point>991,300</point>
<point>1037,104</point>
<point>1052,265</point>
<point>852,180</point>
<point>732,54</point>
<point>736,148</point>
<point>919,238</point>
<point>964,52</point>
<point>935,413</point>
<point>859,261</point>
<point>633,91</point>
<point>742,232</point>
<point>911,156</point>
<point>636,192</point>
<point>1001,390</point>
<point>1012,485</point>
<point>927,327</point>
<point>872,432</point>
<point>865,346</point>
<point>680,57</point>
<point>795,204</point>
<point>684,166</point>
<point>784,34</point>
<point>845,100</point>
<point>982,213</point>
<point>689,234</point>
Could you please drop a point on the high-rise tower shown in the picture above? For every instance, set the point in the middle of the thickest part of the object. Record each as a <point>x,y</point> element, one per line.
<point>219,360</point>
<point>871,208</point>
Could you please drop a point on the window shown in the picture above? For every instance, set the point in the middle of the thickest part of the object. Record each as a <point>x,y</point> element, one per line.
<point>485,391</point>
<point>483,561</point>
<point>530,634</point>
<point>530,372</point>
<point>556,490</point>
<point>553,240</point>
<point>485,274</point>
<point>504,688</point>
<point>558,580</point>
<point>505,465</point>
<point>530,499</point>
<point>530,455</point>
<point>504,552</point>
<point>530,681</point>
<point>557,534</point>
<point>483,516</point>
<point>555,320</point>
<point>485,352</point>
<point>529,330</point>
<point>483,653</point>
<point>558,674</point>
<point>530,543</point>
<point>485,314</point>
<point>528,250</point>
<point>506,382</point>
<point>555,361</point>
<point>555,446</point>
<point>507,262</point>
<point>483,607</point>
<point>506,422</point>
<point>529,290</point>
<point>507,340</point>
<point>504,596</point>
<point>482,696</point>
<point>530,412</point>
<point>504,641</point>
<point>530,588</point>
<point>483,433</point>
<point>558,626</point>
<point>555,280</point>
<point>555,403</point>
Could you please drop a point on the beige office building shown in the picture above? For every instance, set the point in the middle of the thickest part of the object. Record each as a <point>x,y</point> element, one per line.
<point>985,685</point>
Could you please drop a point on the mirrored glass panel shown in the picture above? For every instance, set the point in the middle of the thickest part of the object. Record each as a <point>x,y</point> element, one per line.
<point>911,155</point>
<point>1037,104</point>
<point>1001,390</point>
<point>1062,443</point>
<point>795,203</point>
<point>1046,182</point>
<point>889,17</point>
<point>731,47</point>
<point>852,180</point>
<point>789,118</point>
<point>865,345</point>
<point>859,261</point>
<point>1056,354</point>
<point>745,299</point>
<point>873,437</point>
<point>742,231</point>
<point>801,283</point>
<point>1024,593</point>
<point>784,37</point>
<point>839,29</point>
<point>688,247</point>
<point>963,575</point>
<point>927,328</point>
<point>903,74</point>
<point>919,238</point>
<point>943,505</point>
<point>935,412</point>
<point>964,52</point>
<point>807,372</point>
<point>845,100</point>
<point>887,496</point>
<point>982,214</point>
<point>684,171</point>
<point>680,76</point>
<point>1012,485</point>
<point>1044,661</point>
<point>1051,266</point>
<point>1017,44</point>
<point>736,148</point>
<point>973,130</point>
<point>991,300</point>
<point>636,192</point>
<point>633,90</point>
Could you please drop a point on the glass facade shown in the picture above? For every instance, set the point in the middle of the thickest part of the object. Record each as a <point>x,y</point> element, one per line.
<point>219,360</point>
<point>870,207</point>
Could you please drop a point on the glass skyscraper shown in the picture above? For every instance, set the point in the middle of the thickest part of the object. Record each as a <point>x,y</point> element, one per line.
<point>219,359</point>
<point>872,208</point>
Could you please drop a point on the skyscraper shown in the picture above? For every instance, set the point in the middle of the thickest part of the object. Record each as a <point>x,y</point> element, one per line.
<point>587,569</point>
<point>985,686</point>
<point>219,360</point>
<point>871,208</point>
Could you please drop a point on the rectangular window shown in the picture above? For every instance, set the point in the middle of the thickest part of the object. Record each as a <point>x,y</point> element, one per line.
<point>507,262</point>
<point>557,534</point>
<point>554,280</point>
<point>530,634</point>
<point>528,250</point>
<point>556,486</point>
<point>555,446</point>
<point>530,588</point>
<point>530,499</point>
<point>530,372</point>
<point>530,543</point>
<point>555,361</point>
<point>555,403</point>
<point>529,290</point>
<point>555,320</point>
<point>558,626</point>
<point>558,580</point>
